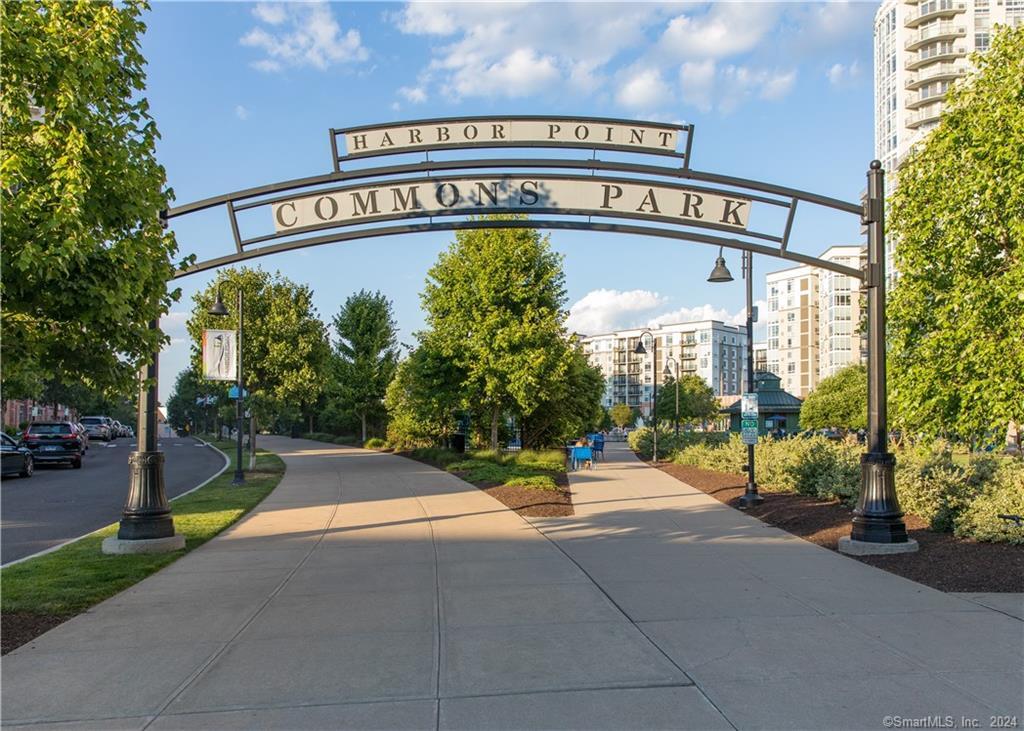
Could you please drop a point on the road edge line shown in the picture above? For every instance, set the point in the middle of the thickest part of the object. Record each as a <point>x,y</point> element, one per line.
<point>51,549</point>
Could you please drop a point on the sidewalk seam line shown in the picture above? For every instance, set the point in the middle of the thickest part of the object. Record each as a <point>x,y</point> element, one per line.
<point>217,654</point>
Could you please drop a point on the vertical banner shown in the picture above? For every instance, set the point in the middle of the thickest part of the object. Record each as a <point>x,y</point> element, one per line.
<point>219,355</point>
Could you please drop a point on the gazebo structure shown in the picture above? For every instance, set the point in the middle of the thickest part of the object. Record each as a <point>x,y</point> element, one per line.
<point>776,408</point>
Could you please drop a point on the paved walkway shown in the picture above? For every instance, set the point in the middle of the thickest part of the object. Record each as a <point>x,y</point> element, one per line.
<point>369,591</point>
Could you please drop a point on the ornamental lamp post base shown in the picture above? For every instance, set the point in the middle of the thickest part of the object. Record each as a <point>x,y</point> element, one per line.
<point>878,526</point>
<point>750,499</point>
<point>146,525</point>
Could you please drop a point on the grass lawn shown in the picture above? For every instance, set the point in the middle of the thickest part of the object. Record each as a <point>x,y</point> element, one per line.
<point>78,576</point>
<point>538,470</point>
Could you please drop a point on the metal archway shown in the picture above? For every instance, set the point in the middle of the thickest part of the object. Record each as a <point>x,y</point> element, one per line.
<point>633,195</point>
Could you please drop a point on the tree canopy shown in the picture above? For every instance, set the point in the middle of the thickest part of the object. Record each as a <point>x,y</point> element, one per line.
<point>957,222</point>
<point>841,400</point>
<point>284,348</point>
<point>365,355</point>
<point>86,259</point>
<point>495,305</point>
<point>697,401</point>
<point>622,415</point>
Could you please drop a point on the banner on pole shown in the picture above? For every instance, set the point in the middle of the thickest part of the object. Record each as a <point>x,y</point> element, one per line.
<point>219,355</point>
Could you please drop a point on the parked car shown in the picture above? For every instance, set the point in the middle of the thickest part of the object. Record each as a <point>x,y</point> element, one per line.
<point>54,441</point>
<point>15,459</point>
<point>98,427</point>
<point>118,429</point>
<point>83,434</point>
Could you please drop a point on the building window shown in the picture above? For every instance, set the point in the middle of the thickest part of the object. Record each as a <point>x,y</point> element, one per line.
<point>791,368</point>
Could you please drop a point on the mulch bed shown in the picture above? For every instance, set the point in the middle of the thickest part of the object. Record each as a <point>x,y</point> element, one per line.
<point>18,628</point>
<point>531,502</point>
<point>943,561</point>
<point>527,501</point>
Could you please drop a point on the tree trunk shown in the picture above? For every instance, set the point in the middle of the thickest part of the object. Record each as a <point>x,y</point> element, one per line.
<point>494,428</point>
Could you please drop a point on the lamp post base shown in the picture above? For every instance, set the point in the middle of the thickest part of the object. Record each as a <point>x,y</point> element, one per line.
<point>118,546</point>
<point>750,499</point>
<point>877,517</point>
<point>853,547</point>
<point>146,514</point>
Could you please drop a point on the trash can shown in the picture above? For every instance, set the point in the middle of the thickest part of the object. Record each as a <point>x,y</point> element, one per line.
<point>458,442</point>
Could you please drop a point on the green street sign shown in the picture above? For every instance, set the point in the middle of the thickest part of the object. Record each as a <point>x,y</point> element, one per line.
<point>748,424</point>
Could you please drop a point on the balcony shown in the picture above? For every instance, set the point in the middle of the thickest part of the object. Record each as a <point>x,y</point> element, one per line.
<point>940,32</point>
<point>916,101</point>
<point>923,14</point>
<point>913,64</point>
<point>928,114</point>
<point>939,72</point>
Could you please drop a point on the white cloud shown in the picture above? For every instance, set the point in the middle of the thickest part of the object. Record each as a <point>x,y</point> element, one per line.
<point>643,89</point>
<point>270,13</point>
<point>521,73</point>
<point>697,80</point>
<point>739,83</point>
<point>838,74</point>
<point>727,29</point>
<point>604,310</point>
<point>414,94</point>
<point>516,49</point>
<point>241,112</point>
<point>305,34</point>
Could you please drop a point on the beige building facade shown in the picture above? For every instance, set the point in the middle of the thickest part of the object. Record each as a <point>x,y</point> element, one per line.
<point>813,321</point>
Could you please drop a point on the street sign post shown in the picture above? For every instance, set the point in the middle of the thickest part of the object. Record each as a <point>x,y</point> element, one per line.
<point>749,418</point>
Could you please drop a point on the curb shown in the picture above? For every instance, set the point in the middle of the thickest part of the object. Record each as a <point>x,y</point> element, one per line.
<point>59,546</point>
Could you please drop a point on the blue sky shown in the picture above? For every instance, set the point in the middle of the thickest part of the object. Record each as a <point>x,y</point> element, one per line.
<point>244,93</point>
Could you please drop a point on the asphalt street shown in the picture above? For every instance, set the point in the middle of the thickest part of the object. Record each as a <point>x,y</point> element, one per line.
<point>59,503</point>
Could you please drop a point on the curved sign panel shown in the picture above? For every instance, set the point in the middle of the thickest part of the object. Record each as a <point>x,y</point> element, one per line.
<point>560,194</point>
<point>436,134</point>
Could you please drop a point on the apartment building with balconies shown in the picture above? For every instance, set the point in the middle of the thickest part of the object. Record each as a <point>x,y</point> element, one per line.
<point>711,349</point>
<point>921,47</point>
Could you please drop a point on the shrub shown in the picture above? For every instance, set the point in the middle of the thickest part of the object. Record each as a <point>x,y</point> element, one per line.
<point>436,455</point>
<point>319,436</point>
<point>479,470</point>
<point>551,460</point>
<point>641,441</point>
<point>537,482</point>
<point>346,440</point>
<point>375,443</point>
<point>1003,494</point>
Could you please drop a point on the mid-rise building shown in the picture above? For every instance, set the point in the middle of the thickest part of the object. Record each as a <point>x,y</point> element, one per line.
<point>813,321</point>
<point>711,349</point>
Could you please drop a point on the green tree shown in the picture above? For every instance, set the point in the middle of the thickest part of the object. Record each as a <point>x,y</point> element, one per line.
<point>422,399</point>
<point>495,304</point>
<point>284,348</point>
<point>573,406</point>
<point>86,260</point>
<point>697,401</point>
<point>184,410</point>
<point>365,355</point>
<point>622,415</point>
<point>841,400</point>
<point>957,220</point>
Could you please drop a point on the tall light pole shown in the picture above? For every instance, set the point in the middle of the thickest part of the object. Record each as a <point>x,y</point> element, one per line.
<point>641,350</point>
<point>668,373</point>
<point>721,274</point>
<point>219,310</point>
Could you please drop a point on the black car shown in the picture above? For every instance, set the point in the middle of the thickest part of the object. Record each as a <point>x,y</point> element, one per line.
<point>14,458</point>
<point>54,441</point>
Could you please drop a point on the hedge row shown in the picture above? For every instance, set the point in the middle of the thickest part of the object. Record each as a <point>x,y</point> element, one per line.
<point>965,499</point>
<point>331,438</point>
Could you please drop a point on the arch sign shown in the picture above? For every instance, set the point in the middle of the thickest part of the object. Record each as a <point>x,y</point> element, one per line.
<point>642,184</point>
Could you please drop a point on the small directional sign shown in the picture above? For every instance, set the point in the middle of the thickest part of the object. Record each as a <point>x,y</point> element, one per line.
<point>748,431</point>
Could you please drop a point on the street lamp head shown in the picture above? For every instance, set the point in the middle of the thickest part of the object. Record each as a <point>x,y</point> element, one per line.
<point>640,349</point>
<point>218,308</point>
<point>667,372</point>
<point>721,272</point>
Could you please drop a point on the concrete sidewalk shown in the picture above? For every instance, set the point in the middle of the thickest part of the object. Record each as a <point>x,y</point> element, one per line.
<point>369,591</point>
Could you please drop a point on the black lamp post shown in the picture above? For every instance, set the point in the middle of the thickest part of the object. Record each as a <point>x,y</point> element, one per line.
<point>721,273</point>
<point>219,310</point>
<point>668,373</point>
<point>641,350</point>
